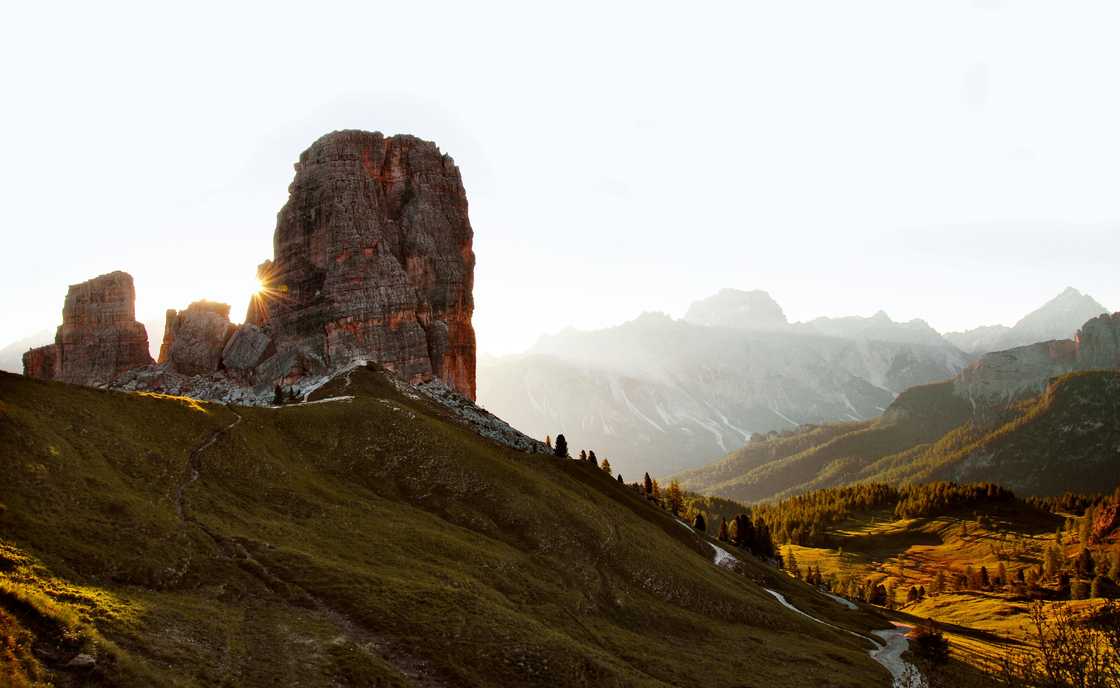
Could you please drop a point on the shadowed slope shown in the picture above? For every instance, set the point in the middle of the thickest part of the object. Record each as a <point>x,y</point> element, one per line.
<point>367,541</point>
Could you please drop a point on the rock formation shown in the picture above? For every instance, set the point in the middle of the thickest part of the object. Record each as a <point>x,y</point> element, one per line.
<point>372,260</point>
<point>1098,342</point>
<point>1005,376</point>
<point>195,338</point>
<point>99,337</point>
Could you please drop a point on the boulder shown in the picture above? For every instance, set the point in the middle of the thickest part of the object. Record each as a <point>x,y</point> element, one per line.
<point>195,338</point>
<point>246,348</point>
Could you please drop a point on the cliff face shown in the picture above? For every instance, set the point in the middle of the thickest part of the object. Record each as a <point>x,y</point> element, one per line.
<point>99,337</point>
<point>1004,376</point>
<point>373,260</point>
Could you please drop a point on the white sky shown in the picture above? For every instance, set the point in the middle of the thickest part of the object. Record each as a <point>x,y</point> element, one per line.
<point>955,161</point>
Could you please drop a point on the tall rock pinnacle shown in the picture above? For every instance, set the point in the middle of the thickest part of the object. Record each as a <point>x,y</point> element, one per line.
<point>373,260</point>
<point>99,337</point>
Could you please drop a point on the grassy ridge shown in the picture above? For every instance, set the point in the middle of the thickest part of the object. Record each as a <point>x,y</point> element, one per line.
<point>1064,439</point>
<point>367,542</point>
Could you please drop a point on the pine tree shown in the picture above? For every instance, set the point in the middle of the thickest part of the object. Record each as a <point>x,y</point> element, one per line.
<point>656,492</point>
<point>1086,567</point>
<point>561,449</point>
<point>675,497</point>
<point>698,523</point>
<point>791,562</point>
<point>985,581</point>
<point>583,455</point>
<point>620,480</point>
<point>722,536</point>
<point>927,642</point>
<point>592,459</point>
<point>277,395</point>
<point>1052,561</point>
<point>548,441</point>
<point>606,466</point>
<point>733,531</point>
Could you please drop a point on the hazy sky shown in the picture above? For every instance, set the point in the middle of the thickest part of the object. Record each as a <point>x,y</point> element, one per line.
<point>955,161</point>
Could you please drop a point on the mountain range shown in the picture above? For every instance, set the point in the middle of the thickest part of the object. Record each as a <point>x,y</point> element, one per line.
<point>1040,419</point>
<point>661,395</point>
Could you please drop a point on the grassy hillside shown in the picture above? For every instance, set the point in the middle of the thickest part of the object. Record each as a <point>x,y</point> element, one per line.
<point>1067,438</point>
<point>830,455</point>
<point>369,541</point>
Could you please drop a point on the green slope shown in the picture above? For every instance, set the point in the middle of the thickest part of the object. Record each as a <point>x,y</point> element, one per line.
<point>1067,438</point>
<point>832,454</point>
<point>364,542</point>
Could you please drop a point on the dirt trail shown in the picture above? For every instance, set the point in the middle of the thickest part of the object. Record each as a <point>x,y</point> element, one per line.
<point>194,465</point>
<point>414,668</point>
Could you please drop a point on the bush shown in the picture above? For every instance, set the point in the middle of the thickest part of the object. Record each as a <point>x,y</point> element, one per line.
<point>1079,590</point>
<point>928,644</point>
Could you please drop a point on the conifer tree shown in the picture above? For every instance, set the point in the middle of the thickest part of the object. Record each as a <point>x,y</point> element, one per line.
<point>675,497</point>
<point>606,466</point>
<point>791,563</point>
<point>620,480</point>
<point>561,449</point>
<point>583,455</point>
<point>722,536</point>
<point>277,395</point>
<point>647,486</point>
<point>733,531</point>
<point>548,441</point>
<point>698,523</point>
<point>939,582</point>
<point>985,580</point>
<point>1085,565</point>
<point>1052,561</point>
<point>1001,574</point>
<point>656,492</point>
<point>594,460</point>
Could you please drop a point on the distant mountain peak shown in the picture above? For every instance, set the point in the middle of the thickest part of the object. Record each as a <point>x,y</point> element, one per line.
<point>1058,318</point>
<point>738,309</point>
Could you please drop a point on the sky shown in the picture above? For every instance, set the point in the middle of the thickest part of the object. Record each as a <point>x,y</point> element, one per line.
<point>951,161</point>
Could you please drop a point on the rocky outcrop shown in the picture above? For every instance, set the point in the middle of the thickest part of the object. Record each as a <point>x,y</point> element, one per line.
<point>1002,377</point>
<point>372,260</point>
<point>246,349</point>
<point>1098,343</point>
<point>195,338</point>
<point>99,337</point>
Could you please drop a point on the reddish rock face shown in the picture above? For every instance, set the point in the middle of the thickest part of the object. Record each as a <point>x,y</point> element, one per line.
<point>373,260</point>
<point>194,338</point>
<point>99,337</point>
